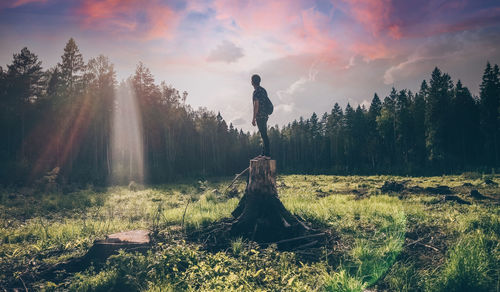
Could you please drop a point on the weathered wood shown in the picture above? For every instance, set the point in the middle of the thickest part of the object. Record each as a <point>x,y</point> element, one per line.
<point>134,240</point>
<point>235,178</point>
<point>262,176</point>
<point>260,215</point>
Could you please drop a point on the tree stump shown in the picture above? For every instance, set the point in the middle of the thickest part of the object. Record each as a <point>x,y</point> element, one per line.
<point>260,215</point>
<point>134,240</point>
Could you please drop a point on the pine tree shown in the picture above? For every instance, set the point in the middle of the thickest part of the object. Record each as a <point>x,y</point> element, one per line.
<point>349,116</point>
<point>24,77</point>
<point>146,90</point>
<point>437,117</point>
<point>418,155</point>
<point>101,82</point>
<point>373,139</point>
<point>403,126</point>
<point>465,126</point>
<point>334,132</point>
<point>386,127</point>
<point>375,107</point>
<point>490,103</point>
<point>72,69</point>
<point>24,85</point>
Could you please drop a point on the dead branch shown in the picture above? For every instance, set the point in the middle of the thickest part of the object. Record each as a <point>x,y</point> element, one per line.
<point>297,238</point>
<point>235,178</point>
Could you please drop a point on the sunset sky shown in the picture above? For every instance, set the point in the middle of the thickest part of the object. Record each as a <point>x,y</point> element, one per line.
<point>310,54</point>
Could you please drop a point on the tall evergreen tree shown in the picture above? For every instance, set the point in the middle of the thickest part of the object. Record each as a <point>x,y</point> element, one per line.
<point>465,126</point>
<point>72,69</point>
<point>437,117</point>
<point>24,85</point>
<point>373,138</point>
<point>386,126</point>
<point>489,105</point>
<point>403,125</point>
<point>418,154</point>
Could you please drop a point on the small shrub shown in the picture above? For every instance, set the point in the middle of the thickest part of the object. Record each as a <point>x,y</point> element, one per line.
<point>237,246</point>
<point>342,282</point>
<point>103,281</point>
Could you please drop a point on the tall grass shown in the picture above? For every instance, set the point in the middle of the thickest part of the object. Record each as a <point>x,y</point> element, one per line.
<point>469,266</point>
<point>52,227</point>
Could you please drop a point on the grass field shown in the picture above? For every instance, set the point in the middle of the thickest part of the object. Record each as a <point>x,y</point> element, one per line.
<point>406,240</point>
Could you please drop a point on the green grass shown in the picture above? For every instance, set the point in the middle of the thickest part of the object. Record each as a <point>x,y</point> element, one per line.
<point>386,241</point>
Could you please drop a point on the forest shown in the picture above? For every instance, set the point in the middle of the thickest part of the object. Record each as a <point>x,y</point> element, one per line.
<point>62,117</point>
<point>400,195</point>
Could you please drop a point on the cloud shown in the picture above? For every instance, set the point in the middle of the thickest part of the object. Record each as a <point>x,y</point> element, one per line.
<point>226,52</point>
<point>310,53</point>
<point>374,15</point>
<point>413,19</point>
<point>145,20</point>
<point>445,51</point>
<point>284,27</point>
<point>18,3</point>
<point>287,95</point>
<point>238,121</point>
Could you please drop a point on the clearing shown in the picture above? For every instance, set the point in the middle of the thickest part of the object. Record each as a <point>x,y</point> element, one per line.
<point>392,234</point>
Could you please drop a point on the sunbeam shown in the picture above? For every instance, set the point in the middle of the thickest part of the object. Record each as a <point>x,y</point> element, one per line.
<point>127,149</point>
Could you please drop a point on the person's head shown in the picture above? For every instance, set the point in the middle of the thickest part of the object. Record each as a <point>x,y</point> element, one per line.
<point>255,80</point>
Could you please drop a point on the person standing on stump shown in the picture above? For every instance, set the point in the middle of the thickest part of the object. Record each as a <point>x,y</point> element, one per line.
<point>262,108</point>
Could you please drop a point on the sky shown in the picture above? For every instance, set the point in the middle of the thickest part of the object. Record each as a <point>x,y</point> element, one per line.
<point>309,54</point>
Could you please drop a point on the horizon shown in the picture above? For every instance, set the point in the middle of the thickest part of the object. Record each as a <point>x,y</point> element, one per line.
<point>301,49</point>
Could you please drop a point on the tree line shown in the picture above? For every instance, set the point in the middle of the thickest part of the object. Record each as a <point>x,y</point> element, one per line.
<point>442,128</point>
<point>62,117</point>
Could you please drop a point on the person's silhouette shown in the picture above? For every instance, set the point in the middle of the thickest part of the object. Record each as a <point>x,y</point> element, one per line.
<point>259,114</point>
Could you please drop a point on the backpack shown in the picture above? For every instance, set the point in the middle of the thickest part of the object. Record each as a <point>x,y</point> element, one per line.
<point>268,106</point>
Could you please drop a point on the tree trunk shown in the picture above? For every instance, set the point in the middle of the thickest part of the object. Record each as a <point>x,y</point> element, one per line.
<point>260,215</point>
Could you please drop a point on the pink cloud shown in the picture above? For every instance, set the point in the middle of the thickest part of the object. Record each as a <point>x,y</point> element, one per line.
<point>315,32</point>
<point>291,27</point>
<point>371,29</point>
<point>372,14</point>
<point>371,51</point>
<point>406,19</point>
<point>122,17</point>
<point>481,18</point>
<point>395,31</point>
<point>259,15</point>
<point>18,3</point>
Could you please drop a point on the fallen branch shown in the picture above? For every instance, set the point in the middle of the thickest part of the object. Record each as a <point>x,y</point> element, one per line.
<point>296,238</point>
<point>235,178</point>
<point>307,244</point>
<point>415,241</point>
<point>24,284</point>
<point>429,246</point>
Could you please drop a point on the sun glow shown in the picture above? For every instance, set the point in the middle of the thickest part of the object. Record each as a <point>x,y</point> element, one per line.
<point>127,143</point>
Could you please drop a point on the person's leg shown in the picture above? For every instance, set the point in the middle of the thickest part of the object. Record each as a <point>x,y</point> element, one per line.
<point>262,125</point>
